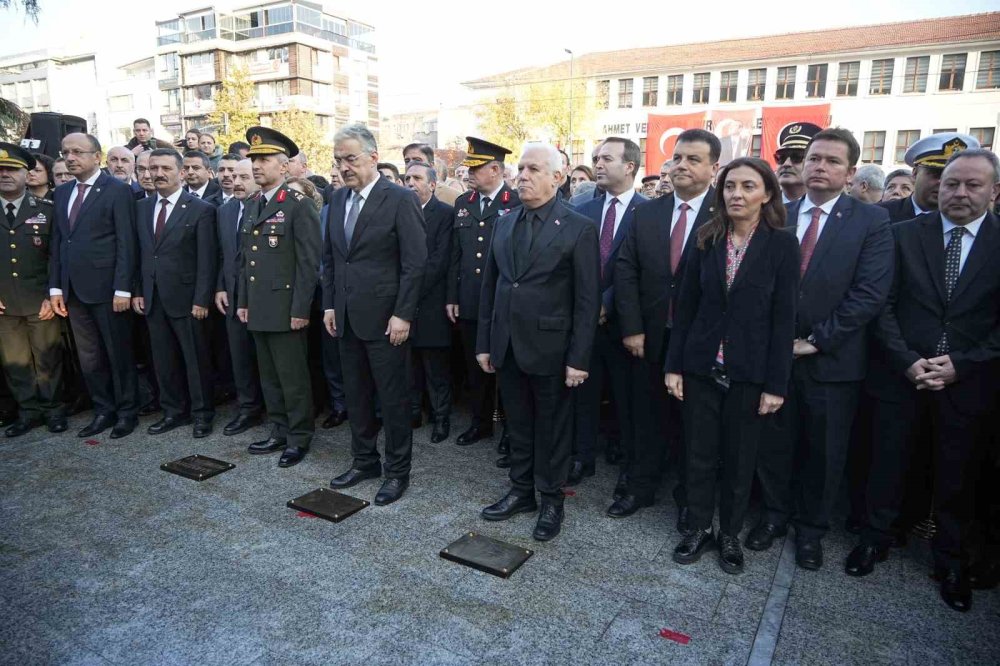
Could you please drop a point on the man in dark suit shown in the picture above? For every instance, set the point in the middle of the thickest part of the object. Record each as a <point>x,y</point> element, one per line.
<point>279,262</point>
<point>91,270</point>
<point>199,181</point>
<point>431,330</point>
<point>475,216</point>
<point>941,336</point>
<point>846,254</point>
<point>177,268</point>
<point>373,267</point>
<point>617,162</point>
<point>647,282</point>
<point>537,317</point>
<point>30,333</point>
<point>241,348</point>
<point>924,158</point>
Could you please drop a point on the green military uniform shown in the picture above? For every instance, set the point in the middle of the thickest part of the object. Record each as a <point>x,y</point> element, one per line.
<point>279,265</point>
<point>31,349</point>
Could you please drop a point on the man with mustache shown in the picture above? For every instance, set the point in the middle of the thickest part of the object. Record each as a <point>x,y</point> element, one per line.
<point>792,142</point>
<point>226,176</point>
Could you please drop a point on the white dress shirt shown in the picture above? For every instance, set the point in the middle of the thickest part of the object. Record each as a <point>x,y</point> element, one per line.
<point>968,238</point>
<point>692,215</point>
<point>492,197</point>
<point>917,210</point>
<point>624,199</point>
<point>364,197</point>
<point>171,202</point>
<point>805,216</point>
<point>200,192</point>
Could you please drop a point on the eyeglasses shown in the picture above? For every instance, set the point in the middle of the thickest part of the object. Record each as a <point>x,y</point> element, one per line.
<point>796,156</point>
<point>350,159</point>
<point>76,152</point>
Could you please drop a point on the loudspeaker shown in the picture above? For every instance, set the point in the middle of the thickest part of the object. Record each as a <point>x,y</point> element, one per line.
<point>46,131</point>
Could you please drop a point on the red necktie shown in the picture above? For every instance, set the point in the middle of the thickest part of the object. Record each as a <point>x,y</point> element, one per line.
<point>161,219</point>
<point>74,211</point>
<point>809,240</point>
<point>677,239</point>
<point>608,233</point>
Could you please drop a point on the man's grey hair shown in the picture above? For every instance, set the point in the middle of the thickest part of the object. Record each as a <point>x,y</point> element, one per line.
<point>988,155</point>
<point>246,161</point>
<point>555,158</point>
<point>432,174</point>
<point>301,158</point>
<point>359,133</point>
<point>872,175</point>
<point>125,152</point>
<point>896,173</point>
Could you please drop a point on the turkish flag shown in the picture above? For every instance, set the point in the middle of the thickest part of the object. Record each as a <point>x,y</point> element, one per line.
<point>775,118</point>
<point>661,135</point>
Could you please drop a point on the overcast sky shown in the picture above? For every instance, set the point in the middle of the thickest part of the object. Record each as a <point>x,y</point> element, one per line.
<point>426,49</point>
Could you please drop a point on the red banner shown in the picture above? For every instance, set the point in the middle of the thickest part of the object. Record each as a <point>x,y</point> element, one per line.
<point>735,132</point>
<point>661,135</point>
<point>775,118</point>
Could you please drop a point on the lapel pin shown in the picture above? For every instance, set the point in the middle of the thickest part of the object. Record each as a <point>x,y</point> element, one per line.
<point>97,190</point>
<point>839,214</point>
<point>557,223</point>
<point>183,205</point>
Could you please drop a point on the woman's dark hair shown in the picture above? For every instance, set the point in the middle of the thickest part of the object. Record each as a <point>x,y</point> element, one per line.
<point>48,162</point>
<point>772,213</point>
<point>584,168</point>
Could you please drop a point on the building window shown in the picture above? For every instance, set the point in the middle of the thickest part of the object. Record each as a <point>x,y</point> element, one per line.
<point>603,93</point>
<point>873,147</point>
<point>905,139</point>
<point>200,59</point>
<point>168,66</point>
<point>120,103</point>
<point>989,70</point>
<point>727,86</point>
<point>755,145</point>
<point>279,54</point>
<point>170,100</point>
<point>952,71</point>
<point>786,83</point>
<point>650,88</point>
<point>755,85</point>
<point>625,93</point>
<point>816,81</point>
<point>675,90</point>
<point>847,79</point>
<point>915,76</point>
<point>984,135</point>
<point>881,79</point>
<point>701,82</point>
<point>946,129</point>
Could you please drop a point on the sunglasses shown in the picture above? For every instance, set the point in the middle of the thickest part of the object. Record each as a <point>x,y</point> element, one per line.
<point>796,156</point>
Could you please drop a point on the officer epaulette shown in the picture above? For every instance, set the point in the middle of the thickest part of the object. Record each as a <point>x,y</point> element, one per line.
<point>295,193</point>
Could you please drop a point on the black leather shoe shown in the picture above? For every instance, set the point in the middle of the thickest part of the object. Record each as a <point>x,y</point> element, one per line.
<point>473,435</point>
<point>292,456</point>
<point>621,486</point>
<point>984,575</point>
<point>100,423</point>
<point>627,505</point>
<point>124,427</point>
<point>692,546</point>
<point>22,426</point>
<point>269,445</point>
<point>151,407</point>
<point>442,428</point>
<point>336,418</point>
<point>613,452</point>
<point>955,591</point>
<point>503,446</point>
<point>391,490</point>
<point>762,536</point>
<point>511,505</point>
<point>809,554</point>
<point>862,559</point>
<point>730,554</point>
<point>503,462</point>
<point>7,418</point>
<point>683,520</point>
<point>168,423</point>
<point>416,421</point>
<point>549,523</point>
<point>353,477</point>
<point>201,429</point>
<point>56,424</point>
<point>854,525</point>
<point>578,471</point>
<point>242,423</point>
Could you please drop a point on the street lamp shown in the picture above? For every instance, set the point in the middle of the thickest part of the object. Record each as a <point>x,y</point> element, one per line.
<point>570,100</point>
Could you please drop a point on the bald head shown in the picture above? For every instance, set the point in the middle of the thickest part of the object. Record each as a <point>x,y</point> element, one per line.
<point>121,163</point>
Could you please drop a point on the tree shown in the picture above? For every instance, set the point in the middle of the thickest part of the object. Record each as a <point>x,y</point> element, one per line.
<point>304,129</point>
<point>30,7</point>
<point>553,111</point>
<point>235,108</point>
<point>503,121</point>
<point>13,121</point>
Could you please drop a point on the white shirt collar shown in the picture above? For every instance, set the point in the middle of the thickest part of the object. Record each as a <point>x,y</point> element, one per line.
<point>972,228</point>
<point>625,198</point>
<point>495,193</point>
<point>694,203</point>
<point>916,207</point>
<point>93,179</point>
<point>17,203</point>
<point>201,190</point>
<point>172,198</point>
<point>270,193</point>
<point>367,190</point>
<point>808,205</point>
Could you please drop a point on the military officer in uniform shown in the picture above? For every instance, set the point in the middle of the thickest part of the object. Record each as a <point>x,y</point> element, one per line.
<point>927,157</point>
<point>475,214</point>
<point>30,336</point>
<point>279,265</point>
<point>789,157</point>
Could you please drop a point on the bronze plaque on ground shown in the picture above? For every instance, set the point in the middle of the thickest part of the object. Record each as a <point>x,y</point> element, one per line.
<point>328,504</point>
<point>197,467</point>
<point>486,554</point>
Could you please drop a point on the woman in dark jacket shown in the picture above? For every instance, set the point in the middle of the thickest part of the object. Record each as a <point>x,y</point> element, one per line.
<point>730,354</point>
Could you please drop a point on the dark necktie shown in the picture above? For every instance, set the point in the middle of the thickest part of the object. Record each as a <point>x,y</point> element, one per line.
<point>484,204</point>
<point>352,218</point>
<point>161,219</point>
<point>952,269</point>
<point>10,215</point>
<point>522,245</point>
<point>74,211</point>
<point>809,239</point>
<point>677,239</point>
<point>608,233</point>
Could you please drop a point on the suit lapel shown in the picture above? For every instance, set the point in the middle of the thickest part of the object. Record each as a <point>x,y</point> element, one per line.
<point>335,220</point>
<point>375,199</point>
<point>625,223</point>
<point>550,229</point>
<point>663,214</point>
<point>983,249</point>
<point>91,197</point>
<point>503,252</point>
<point>932,240</point>
<point>758,244</point>
<point>839,215</point>
<point>178,213</point>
